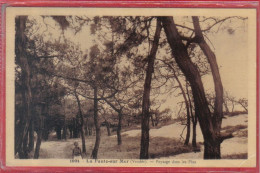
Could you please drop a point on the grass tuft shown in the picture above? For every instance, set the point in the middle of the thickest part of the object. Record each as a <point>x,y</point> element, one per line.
<point>164,147</point>
<point>240,130</point>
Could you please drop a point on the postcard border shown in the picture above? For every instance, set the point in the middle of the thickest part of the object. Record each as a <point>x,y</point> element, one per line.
<point>122,4</point>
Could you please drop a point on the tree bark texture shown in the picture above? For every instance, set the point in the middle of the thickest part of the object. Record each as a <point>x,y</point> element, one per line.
<point>31,136</point>
<point>119,125</point>
<point>218,106</point>
<point>194,134</point>
<point>64,130</point>
<point>25,145</point>
<point>39,130</point>
<point>82,128</point>
<point>119,139</point>
<point>194,119</point>
<point>108,128</point>
<point>188,130</point>
<point>192,74</point>
<point>38,144</point>
<point>23,153</point>
<point>144,153</point>
<point>75,128</point>
<point>20,46</point>
<point>58,132</point>
<point>97,125</point>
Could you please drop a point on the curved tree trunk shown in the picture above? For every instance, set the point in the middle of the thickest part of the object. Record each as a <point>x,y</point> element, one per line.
<point>96,122</point>
<point>192,74</point>
<point>144,154</point>
<point>212,148</point>
<point>218,106</point>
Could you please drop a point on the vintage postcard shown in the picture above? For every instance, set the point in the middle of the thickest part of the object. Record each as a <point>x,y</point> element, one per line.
<point>131,87</point>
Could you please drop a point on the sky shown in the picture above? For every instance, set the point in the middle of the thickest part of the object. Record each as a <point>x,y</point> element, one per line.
<point>232,54</point>
<point>230,48</point>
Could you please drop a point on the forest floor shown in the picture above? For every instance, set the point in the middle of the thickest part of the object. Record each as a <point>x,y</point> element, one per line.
<point>165,142</point>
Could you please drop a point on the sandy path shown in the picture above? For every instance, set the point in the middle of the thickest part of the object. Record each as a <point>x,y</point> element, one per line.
<point>56,149</point>
<point>174,130</point>
<point>63,149</point>
<point>234,145</point>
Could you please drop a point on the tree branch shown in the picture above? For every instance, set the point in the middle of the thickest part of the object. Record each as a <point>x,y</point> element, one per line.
<point>224,136</point>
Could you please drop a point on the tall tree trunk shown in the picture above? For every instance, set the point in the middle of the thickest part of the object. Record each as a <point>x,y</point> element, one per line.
<point>144,153</point>
<point>25,145</point>
<point>97,125</point>
<point>24,151</point>
<point>64,129</point>
<point>119,139</point>
<point>87,130</point>
<point>194,135</point>
<point>192,74</point>
<point>82,124</point>
<point>188,130</point>
<point>108,128</point>
<point>212,147</point>
<point>193,119</point>
<point>64,132</point>
<point>45,134</point>
<point>71,133</point>
<point>20,50</point>
<point>58,132</point>
<point>31,136</point>
<point>39,130</point>
<point>75,128</point>
<point>38,144</point>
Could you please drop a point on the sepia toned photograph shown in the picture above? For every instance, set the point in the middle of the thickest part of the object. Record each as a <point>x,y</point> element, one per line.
<point>131,87</point>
